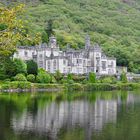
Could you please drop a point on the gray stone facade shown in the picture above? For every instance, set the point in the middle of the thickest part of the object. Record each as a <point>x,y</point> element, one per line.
<point>51,58</point>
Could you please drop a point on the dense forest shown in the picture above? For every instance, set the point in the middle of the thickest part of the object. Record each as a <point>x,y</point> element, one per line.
<point>114,24</point>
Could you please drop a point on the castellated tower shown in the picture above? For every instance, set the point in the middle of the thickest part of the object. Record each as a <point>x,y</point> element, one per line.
<point>87,42</point>
<point>53,42</point>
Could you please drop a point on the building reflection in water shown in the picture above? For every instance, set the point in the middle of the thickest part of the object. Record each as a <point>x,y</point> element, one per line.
<point>82,113</point>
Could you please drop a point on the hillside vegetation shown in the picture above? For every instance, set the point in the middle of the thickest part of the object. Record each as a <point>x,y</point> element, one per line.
<point>115,24</point>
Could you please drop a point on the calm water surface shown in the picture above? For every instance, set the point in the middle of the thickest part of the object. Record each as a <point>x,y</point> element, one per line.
<point>73,116</point>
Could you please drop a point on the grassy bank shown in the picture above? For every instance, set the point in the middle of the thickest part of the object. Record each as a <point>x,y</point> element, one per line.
<point>27,86</point>
<point>16,86</point>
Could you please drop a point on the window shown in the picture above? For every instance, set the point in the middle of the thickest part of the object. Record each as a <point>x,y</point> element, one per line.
<point>64,70</point>
<point>112,64</point>
<point>69,70</point>
<point>54,64</point>
<point>112,71</point>
<point>49,65</point>
<point>25,53</point>
<point>103,65</point>
<point>79,61</point>
<point>89,63</point>
<point>41,64</point>
<point>84,62</point>
<point>97,60</point>
<point>97,55</point>
<point>75,55</point>
<point>40,55</point>
<point>85,70</point>
<point>97,70</point>
<point>64,62</point>
<point>80,70</point>
<point>109,71</point>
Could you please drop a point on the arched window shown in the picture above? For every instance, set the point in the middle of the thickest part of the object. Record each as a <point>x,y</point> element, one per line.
<point>84,62</point>
<point>54,64</point>
<point>40,55</point>
<point>25,53</point>
<point>49,65</point>
<point>112,64</point>
<point>103,65</point>
<point>64,62</point>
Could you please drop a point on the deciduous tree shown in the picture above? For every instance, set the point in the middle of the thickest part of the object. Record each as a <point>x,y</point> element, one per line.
<point>12,31</point>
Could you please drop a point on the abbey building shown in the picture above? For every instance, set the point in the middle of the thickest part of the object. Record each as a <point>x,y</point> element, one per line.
<point>51,58</point>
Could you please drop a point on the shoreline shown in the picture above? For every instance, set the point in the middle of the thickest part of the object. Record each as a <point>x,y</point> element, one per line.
<point>18,87</point>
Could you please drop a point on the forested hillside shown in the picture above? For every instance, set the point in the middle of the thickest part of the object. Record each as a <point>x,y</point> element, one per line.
<point>115,24</point>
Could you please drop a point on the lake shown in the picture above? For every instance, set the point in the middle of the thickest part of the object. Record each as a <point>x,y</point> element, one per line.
<point>113,115</point>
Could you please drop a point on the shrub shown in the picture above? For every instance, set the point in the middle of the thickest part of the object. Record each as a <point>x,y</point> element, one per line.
<point>16,85</point>
<point>58,76</point>
<point>63,81</point>
<point>92,77</point>
<point>84,81</point>
<point>20,77</point>
<point>24,85</point>
<point>5,86</point>
<point>50,87</point>
<point>70,81</point>
<point>69,77</point>
<point>31,78</point>
<point>3,76</point>
<point>43,77</point>
<point>124,77</point>
<point>108,79</point>
<point>114,80</point>
<point>78,78</point>
<point>53,80</point>
<point>136,80</point>
<point>99,86</point>
<point>7,80</point>
<point>76,86</point>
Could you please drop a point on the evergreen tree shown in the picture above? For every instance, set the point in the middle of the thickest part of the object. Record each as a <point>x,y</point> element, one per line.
<point>49,28</point>
<point>21,67</point>
<point>124,77</point>
<point>92,77</point>
<point>32,67</point>
<point>9,68</point>
<point>69,76</point>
